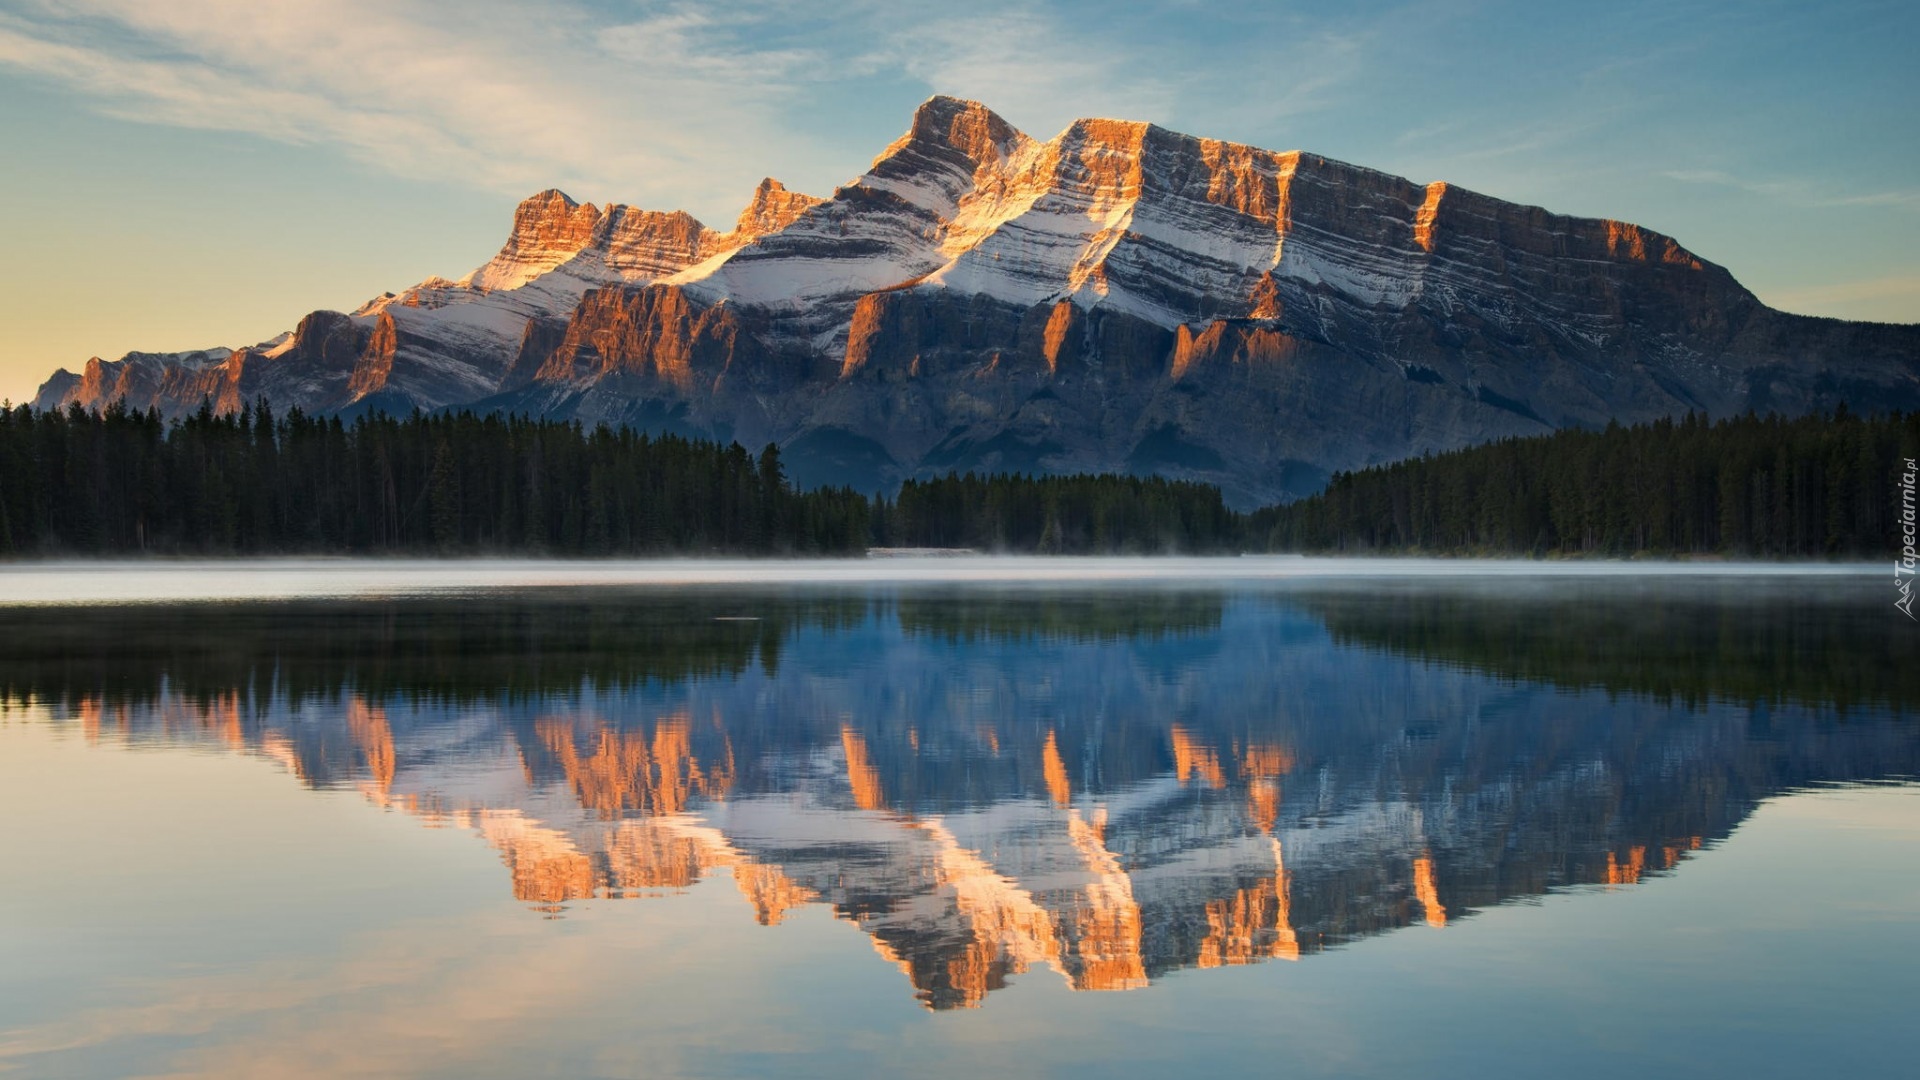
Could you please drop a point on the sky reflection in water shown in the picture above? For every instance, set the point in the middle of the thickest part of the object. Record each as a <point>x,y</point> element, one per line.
<point>800,829</point>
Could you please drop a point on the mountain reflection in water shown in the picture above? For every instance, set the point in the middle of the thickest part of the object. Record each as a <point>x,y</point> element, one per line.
<point>1113,785</point>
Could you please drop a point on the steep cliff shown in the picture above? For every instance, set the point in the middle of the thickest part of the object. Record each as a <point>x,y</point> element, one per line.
<point>1120,297</point>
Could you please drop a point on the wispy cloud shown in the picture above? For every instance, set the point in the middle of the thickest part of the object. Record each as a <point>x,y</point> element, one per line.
<point>1026,64</point>
<point>689,42</point>
<point>662,103</point>
<point>1450,143</point>
<point>667,103</point>
<point>1908,199</point>
<point>504,96</point>
<point>1802,192</point>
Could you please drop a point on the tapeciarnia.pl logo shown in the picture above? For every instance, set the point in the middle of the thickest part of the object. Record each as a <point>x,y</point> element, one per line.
<point>1903,569</point>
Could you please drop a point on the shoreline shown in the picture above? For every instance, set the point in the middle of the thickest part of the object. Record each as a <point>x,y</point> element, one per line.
<point>82,582</point>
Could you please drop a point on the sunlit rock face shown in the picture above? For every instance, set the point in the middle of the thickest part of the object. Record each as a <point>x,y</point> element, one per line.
<point>1096,791</point>
<point>1119,297</point>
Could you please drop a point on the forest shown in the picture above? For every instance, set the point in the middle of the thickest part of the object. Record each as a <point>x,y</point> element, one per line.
<point>1811,487</point>
<point>252,482</point>
<point>119,482</point>
<point>1108,514</point>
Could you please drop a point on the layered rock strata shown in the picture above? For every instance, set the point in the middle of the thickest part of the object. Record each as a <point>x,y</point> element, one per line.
<point>1120,297</point>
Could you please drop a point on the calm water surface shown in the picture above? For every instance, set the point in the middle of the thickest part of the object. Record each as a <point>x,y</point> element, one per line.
<point>957,818</point>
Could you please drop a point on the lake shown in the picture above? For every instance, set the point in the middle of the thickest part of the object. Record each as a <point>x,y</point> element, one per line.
<point>957,817</point>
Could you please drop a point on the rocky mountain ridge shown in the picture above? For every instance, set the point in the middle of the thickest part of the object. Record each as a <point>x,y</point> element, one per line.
<point>1119,297</point>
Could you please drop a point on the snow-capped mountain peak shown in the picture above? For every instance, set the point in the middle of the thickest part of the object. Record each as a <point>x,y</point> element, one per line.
<point>1118,296</point>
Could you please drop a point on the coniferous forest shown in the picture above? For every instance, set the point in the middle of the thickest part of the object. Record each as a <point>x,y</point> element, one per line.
<point>1812,487</point>
<point>119,482</point>
<point>1060,514</point>
<point>252,482</point>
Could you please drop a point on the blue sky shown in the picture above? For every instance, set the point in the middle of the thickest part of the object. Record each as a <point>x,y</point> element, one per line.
<point>188,173</point>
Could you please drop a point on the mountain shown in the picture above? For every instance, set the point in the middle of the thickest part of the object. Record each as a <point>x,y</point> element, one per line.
<point>1120,297</point>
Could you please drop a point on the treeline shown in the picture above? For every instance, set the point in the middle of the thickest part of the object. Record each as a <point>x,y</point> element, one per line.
<point>1067,515</point>
<point>120,482</point>
<point>251,482</point>
<point>1819,485</point>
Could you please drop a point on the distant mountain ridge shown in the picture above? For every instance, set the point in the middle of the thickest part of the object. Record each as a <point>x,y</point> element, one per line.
<point>1120,297</point>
